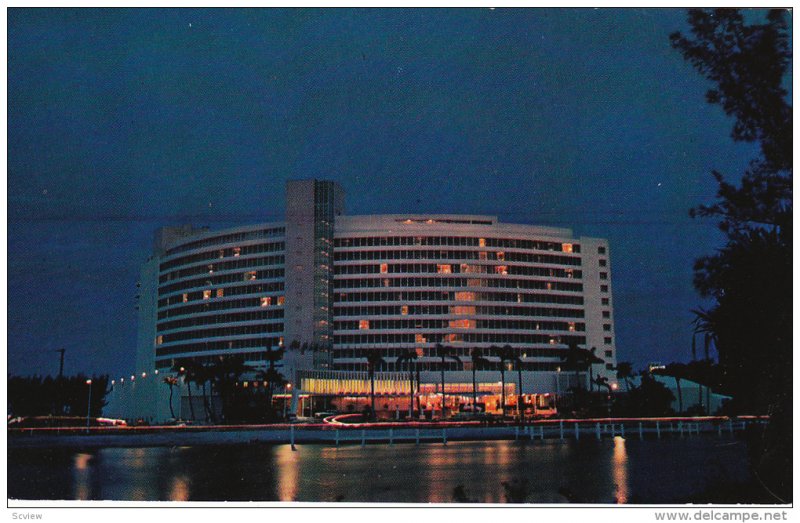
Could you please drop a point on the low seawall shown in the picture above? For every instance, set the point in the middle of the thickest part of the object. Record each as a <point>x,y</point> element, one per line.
<point>383,433</point>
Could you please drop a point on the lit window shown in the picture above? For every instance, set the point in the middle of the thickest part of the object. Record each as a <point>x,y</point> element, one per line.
<point>185,297</point>
<point>552,341</point>
<point>566,247</point>
<point>571,326</point>
<point>220,293</point>
<point>419,338</point>
<point>384,268</point>
<point>250,275</point>
<point>465,296</point>
<point>462,309</point>
<point>501,269</point>
<point>482,242</point>
<point>462,324</point>
<point>206,294</point>
<point>266,301</point>
<point>363,324</point>
<point>280,344</point>
<point>281,299</point>
<point>404,310</point>
<point>237,251</point>
<point>444,269</point>
<point>501,256</point>
<point>211,269</point>
<point>482,256</point>
<point>159,339</point>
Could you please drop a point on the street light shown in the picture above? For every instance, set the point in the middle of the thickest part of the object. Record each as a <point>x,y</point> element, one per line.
<point>89,405</point>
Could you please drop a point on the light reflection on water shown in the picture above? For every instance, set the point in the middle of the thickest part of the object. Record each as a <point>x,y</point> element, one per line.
<point>609,471</point>
<point>620,470</point>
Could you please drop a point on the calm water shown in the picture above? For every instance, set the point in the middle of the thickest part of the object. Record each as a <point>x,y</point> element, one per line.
<point>609,471</point>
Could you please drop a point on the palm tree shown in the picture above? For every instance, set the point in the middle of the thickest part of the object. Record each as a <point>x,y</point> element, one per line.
<point>705,323</point>
<point>187,371</point>
<point>202,375</point>
<point>271,375</point>
<point>409,356</point>
<point>374,360</point>
<point>506,354</point>
<point>226,372</point>
<point>624,372</point>
<point>444,353</point>
<point>171,381</point>
<point>579,359</point>
<point>573,359</point>
<point>476,355</point>
<point>592,361</point>
<point>272,378</point>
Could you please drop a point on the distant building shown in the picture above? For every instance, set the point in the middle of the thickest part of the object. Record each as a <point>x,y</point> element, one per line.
<point>329,288</point>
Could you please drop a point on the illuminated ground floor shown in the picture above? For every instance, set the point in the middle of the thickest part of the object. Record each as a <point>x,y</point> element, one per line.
<point>396,394</point>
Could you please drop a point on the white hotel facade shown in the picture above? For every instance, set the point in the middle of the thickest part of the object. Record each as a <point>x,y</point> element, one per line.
<point>340,286</point>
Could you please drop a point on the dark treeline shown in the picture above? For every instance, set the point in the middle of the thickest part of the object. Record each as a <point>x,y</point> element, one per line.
<point>65,396</point>
<point>749,278</point>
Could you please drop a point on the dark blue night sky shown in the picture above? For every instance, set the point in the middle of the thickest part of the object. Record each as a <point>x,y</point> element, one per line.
<point>120,121</point>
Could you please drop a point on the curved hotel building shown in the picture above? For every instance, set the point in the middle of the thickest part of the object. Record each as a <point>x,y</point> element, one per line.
<point>331,288</point>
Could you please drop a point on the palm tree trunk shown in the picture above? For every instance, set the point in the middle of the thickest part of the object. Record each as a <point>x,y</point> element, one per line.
<point>205,401</point>
<point>171,411</point>
<point>372,392</point>
<point>419,396</point>
<point>502,389</point>
<point>520,409</point>
<point>191,406</point>
<point>474,391</point>
<point>410,393</point>
<point>680,395</point>
<point>443,397</point>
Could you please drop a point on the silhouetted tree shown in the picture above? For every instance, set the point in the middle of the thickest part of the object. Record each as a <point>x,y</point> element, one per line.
<point>33,395</point>
<point>409,356</point>
<point>445,353</point>
<point>478,362</point>
<point>506,354</point>
<point>679,372</point>
<point>171,381</point>
<point>750,278</point>
<point>624,372</point>
<point>650,398</point>
<point>374,360</point>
